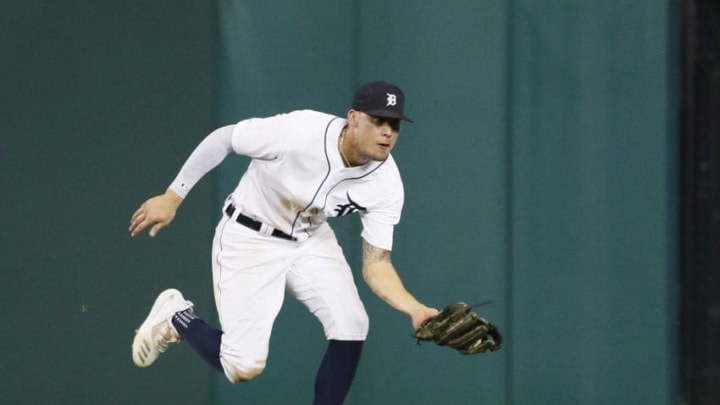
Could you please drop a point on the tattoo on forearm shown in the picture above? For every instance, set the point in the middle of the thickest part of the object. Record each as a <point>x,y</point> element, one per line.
<point>374,254</point>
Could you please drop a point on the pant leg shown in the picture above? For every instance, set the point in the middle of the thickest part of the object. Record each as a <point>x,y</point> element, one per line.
<point>249,276</point>
<point>322,280</point>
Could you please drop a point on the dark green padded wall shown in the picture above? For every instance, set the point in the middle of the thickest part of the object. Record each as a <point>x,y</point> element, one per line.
<point>99,103</point>
<point>594,197</point>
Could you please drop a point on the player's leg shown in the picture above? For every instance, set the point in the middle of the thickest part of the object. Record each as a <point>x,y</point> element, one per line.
<point>322,280</point>
<point>251,294</point>
<point>337,371</point>
<point>249,272</point>
<point>202,337</point>
<point>171,320</point>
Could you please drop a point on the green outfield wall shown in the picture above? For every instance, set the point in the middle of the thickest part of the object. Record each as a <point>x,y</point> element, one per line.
<point>99,103</point>
<point>540,173</point>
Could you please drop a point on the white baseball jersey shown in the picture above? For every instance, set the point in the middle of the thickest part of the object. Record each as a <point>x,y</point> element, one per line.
<point>296,178</point>
<point>295,181</point>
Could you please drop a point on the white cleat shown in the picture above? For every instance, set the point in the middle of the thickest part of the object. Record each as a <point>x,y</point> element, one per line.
<point>157,331</point>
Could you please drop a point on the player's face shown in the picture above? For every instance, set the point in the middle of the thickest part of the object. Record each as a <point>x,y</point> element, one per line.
<point>376,136</point>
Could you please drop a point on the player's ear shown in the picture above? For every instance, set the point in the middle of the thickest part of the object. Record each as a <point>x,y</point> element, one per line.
<point>352,117</point>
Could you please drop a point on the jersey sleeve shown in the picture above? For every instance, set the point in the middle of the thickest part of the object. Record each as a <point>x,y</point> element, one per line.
<point>379,222</point>
<point>262,138</point>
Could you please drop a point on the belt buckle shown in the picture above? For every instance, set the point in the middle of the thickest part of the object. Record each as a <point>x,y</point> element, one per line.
<point>265,229</point>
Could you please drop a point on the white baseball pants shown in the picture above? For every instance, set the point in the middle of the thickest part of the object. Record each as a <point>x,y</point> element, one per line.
<point>251,273</point>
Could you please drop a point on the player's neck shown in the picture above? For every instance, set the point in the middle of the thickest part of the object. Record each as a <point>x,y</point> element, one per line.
<point>341,148</point>
<point>349,154</point>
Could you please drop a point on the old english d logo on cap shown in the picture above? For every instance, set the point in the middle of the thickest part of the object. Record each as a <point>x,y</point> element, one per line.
<point>380,99</point>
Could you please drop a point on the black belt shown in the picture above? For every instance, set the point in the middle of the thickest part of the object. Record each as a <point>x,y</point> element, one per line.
<point>255,225</point>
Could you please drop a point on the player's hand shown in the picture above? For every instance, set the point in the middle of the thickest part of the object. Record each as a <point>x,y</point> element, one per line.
<point>421,314</point>
<point>157,212</point>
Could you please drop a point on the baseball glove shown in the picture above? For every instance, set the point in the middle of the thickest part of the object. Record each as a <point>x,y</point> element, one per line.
<point>459,327</point>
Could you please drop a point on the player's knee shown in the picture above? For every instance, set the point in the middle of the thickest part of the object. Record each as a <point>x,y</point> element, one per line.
<point>238,373</point>
<point>355,326</point>
<point>363,322</point>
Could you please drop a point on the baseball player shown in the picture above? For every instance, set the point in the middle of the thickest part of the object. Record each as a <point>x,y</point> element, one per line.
<point>274,237</point>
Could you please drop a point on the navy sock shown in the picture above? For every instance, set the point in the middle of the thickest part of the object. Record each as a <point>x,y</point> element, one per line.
<point>182,319</point>
<point>201,336</point>
<point>337,371</point>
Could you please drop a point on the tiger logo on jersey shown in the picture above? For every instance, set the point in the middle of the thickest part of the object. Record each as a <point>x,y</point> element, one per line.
<point>349,208</point>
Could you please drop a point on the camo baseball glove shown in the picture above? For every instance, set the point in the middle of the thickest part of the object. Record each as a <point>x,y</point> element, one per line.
<point>459,327</point>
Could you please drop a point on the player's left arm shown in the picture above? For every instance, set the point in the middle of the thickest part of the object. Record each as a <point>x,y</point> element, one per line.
<point>380,274</point>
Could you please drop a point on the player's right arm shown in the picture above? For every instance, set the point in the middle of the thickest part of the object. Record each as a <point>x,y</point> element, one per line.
<point>158,211</point>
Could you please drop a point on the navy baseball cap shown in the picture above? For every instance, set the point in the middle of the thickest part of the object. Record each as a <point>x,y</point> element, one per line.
<point>380,99</point>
